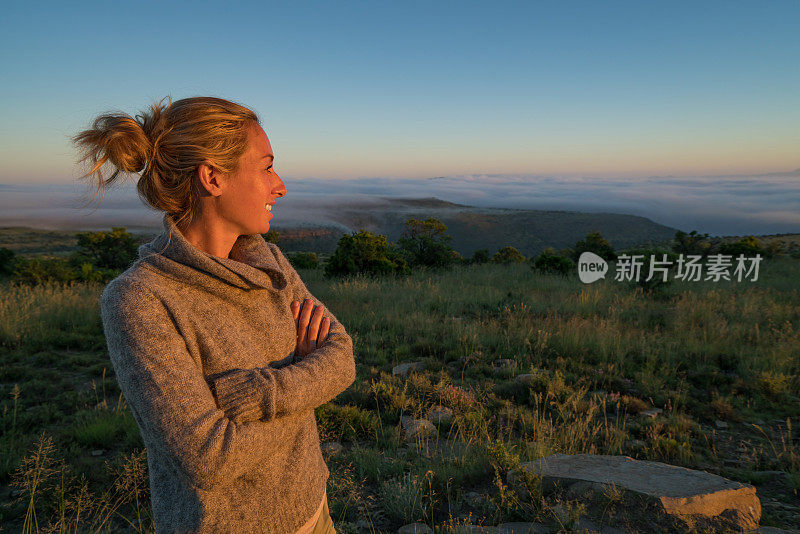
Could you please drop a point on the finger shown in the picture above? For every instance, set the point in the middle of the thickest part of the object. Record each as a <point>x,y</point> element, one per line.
<point>323,331</point>
<point>302,326</point>
<point>295,307</point>
<point>313,327</point>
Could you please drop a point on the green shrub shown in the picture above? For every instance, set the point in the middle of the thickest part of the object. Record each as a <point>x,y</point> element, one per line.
<point>508,255</point>
<point>691,243</point>
<point>401,498</point>
<point>657,281</point>
<point>481,256</point>
<point>303,260</point>
<point>6,260</point>
<point>346,423</point>
<point>596,243</point>
<point>749,246</point>
<point>548,262</point>
<point>365,252</point>
<point>427,243</point>
<point>116,249</point>
<point>271,236</point>
<point>773,248</point>
<point>35,271</point>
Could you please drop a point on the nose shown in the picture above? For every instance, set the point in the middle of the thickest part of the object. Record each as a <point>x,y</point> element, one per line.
<point>278,187</point>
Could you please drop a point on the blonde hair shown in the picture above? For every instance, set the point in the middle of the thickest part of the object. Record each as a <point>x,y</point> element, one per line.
<point>165,145</point>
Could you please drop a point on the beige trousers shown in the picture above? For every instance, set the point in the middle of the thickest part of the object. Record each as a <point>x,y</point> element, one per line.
<point>324,524</point>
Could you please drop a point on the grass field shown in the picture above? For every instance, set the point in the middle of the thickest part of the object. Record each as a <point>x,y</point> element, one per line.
<point>721,360</point>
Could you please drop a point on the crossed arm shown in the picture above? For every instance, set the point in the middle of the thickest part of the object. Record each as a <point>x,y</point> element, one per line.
<point>323,358</point>
<point>210,442</point>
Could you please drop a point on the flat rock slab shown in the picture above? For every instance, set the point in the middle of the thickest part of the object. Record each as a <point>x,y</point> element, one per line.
<point>681,491</point>
<point>405,368</point>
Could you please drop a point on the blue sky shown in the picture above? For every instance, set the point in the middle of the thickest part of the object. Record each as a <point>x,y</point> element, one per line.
<point>416,90</point>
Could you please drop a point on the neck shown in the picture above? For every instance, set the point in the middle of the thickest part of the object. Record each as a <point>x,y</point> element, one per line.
<point>209,235</point>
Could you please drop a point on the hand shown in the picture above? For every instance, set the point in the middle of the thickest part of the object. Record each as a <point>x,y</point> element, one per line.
<point>312,327</point>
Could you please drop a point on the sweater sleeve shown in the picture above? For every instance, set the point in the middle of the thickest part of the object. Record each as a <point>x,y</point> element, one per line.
<point>169,397</point>
<point>309,382</point>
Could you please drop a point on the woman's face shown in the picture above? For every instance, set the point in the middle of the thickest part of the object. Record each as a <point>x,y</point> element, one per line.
<point>251,191</point>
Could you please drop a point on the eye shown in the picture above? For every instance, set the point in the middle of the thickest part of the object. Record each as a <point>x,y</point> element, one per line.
<point>268,169</point>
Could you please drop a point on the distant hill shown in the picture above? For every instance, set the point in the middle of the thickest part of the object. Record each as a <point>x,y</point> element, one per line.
<point>472,228</point>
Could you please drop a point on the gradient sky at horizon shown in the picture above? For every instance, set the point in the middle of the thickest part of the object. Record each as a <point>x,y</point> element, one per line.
<point>414,90</point>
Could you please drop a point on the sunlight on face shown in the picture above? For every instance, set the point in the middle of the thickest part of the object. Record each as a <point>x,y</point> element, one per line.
<point>253,188</point>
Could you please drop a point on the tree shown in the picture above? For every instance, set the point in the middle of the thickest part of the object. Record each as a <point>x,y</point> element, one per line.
<point>691,243</point>
<point>365,252</point>
<point>427,243</point>
<point>481,256</point>
<point>549,262</point>
<point>656,284</point>
<point>271,236</point>
<point>596,243</point>
<point>508,255</point>
<point>6,260</point>
<point>116,249</point>
<point>303,260</point>
<point>749,246</point>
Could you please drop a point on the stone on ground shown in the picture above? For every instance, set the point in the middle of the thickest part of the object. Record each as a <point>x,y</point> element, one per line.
<point>680,492</point>
<point>414,429</point>
<point>414,528</point>
<point>403,369</point>
<point>527,379</point>
<point>331,447</point>
<point>523,528</point>
<point>441,415</point>
<point>650,413</point>
<point>504,363</point>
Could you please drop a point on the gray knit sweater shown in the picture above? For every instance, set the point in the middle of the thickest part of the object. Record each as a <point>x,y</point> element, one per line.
<point>203,350</point>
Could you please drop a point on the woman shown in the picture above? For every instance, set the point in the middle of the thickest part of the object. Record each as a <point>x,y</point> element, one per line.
<point>220,363</point>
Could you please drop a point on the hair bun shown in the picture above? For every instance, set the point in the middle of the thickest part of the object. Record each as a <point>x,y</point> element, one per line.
<point>123,140</point>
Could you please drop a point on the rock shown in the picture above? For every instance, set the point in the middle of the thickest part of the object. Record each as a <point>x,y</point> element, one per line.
<point>474,498</point>
<point>408,367</point>
<point>332,447</point>
<point>526,379</point>
<point>635,444</point>
<point>474,529</point>
<point>523,528</point>
<point>471,358</point>
<point>363,525</point>
<point>651,413</point>
<point>414,429</point>
<point>584,523</point>
<point>97,452</point>
<point>773,530</point>
<point>415,528</point>
<point>587,525</point>
<point>720,424</point>
<point>504,363</point>
<point>440,415</point>
<point>562,515</point>
<point>678,491</point>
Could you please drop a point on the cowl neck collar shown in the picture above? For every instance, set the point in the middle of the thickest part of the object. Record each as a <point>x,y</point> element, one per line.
<point>250,265</point>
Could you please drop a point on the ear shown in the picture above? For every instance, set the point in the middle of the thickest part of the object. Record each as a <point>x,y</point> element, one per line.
<point>210,179</point>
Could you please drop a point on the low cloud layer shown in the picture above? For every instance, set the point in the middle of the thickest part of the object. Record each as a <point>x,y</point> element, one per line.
<point>719,205</point>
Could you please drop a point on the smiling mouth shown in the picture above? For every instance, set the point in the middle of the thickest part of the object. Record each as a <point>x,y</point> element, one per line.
<point>268,207</point>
